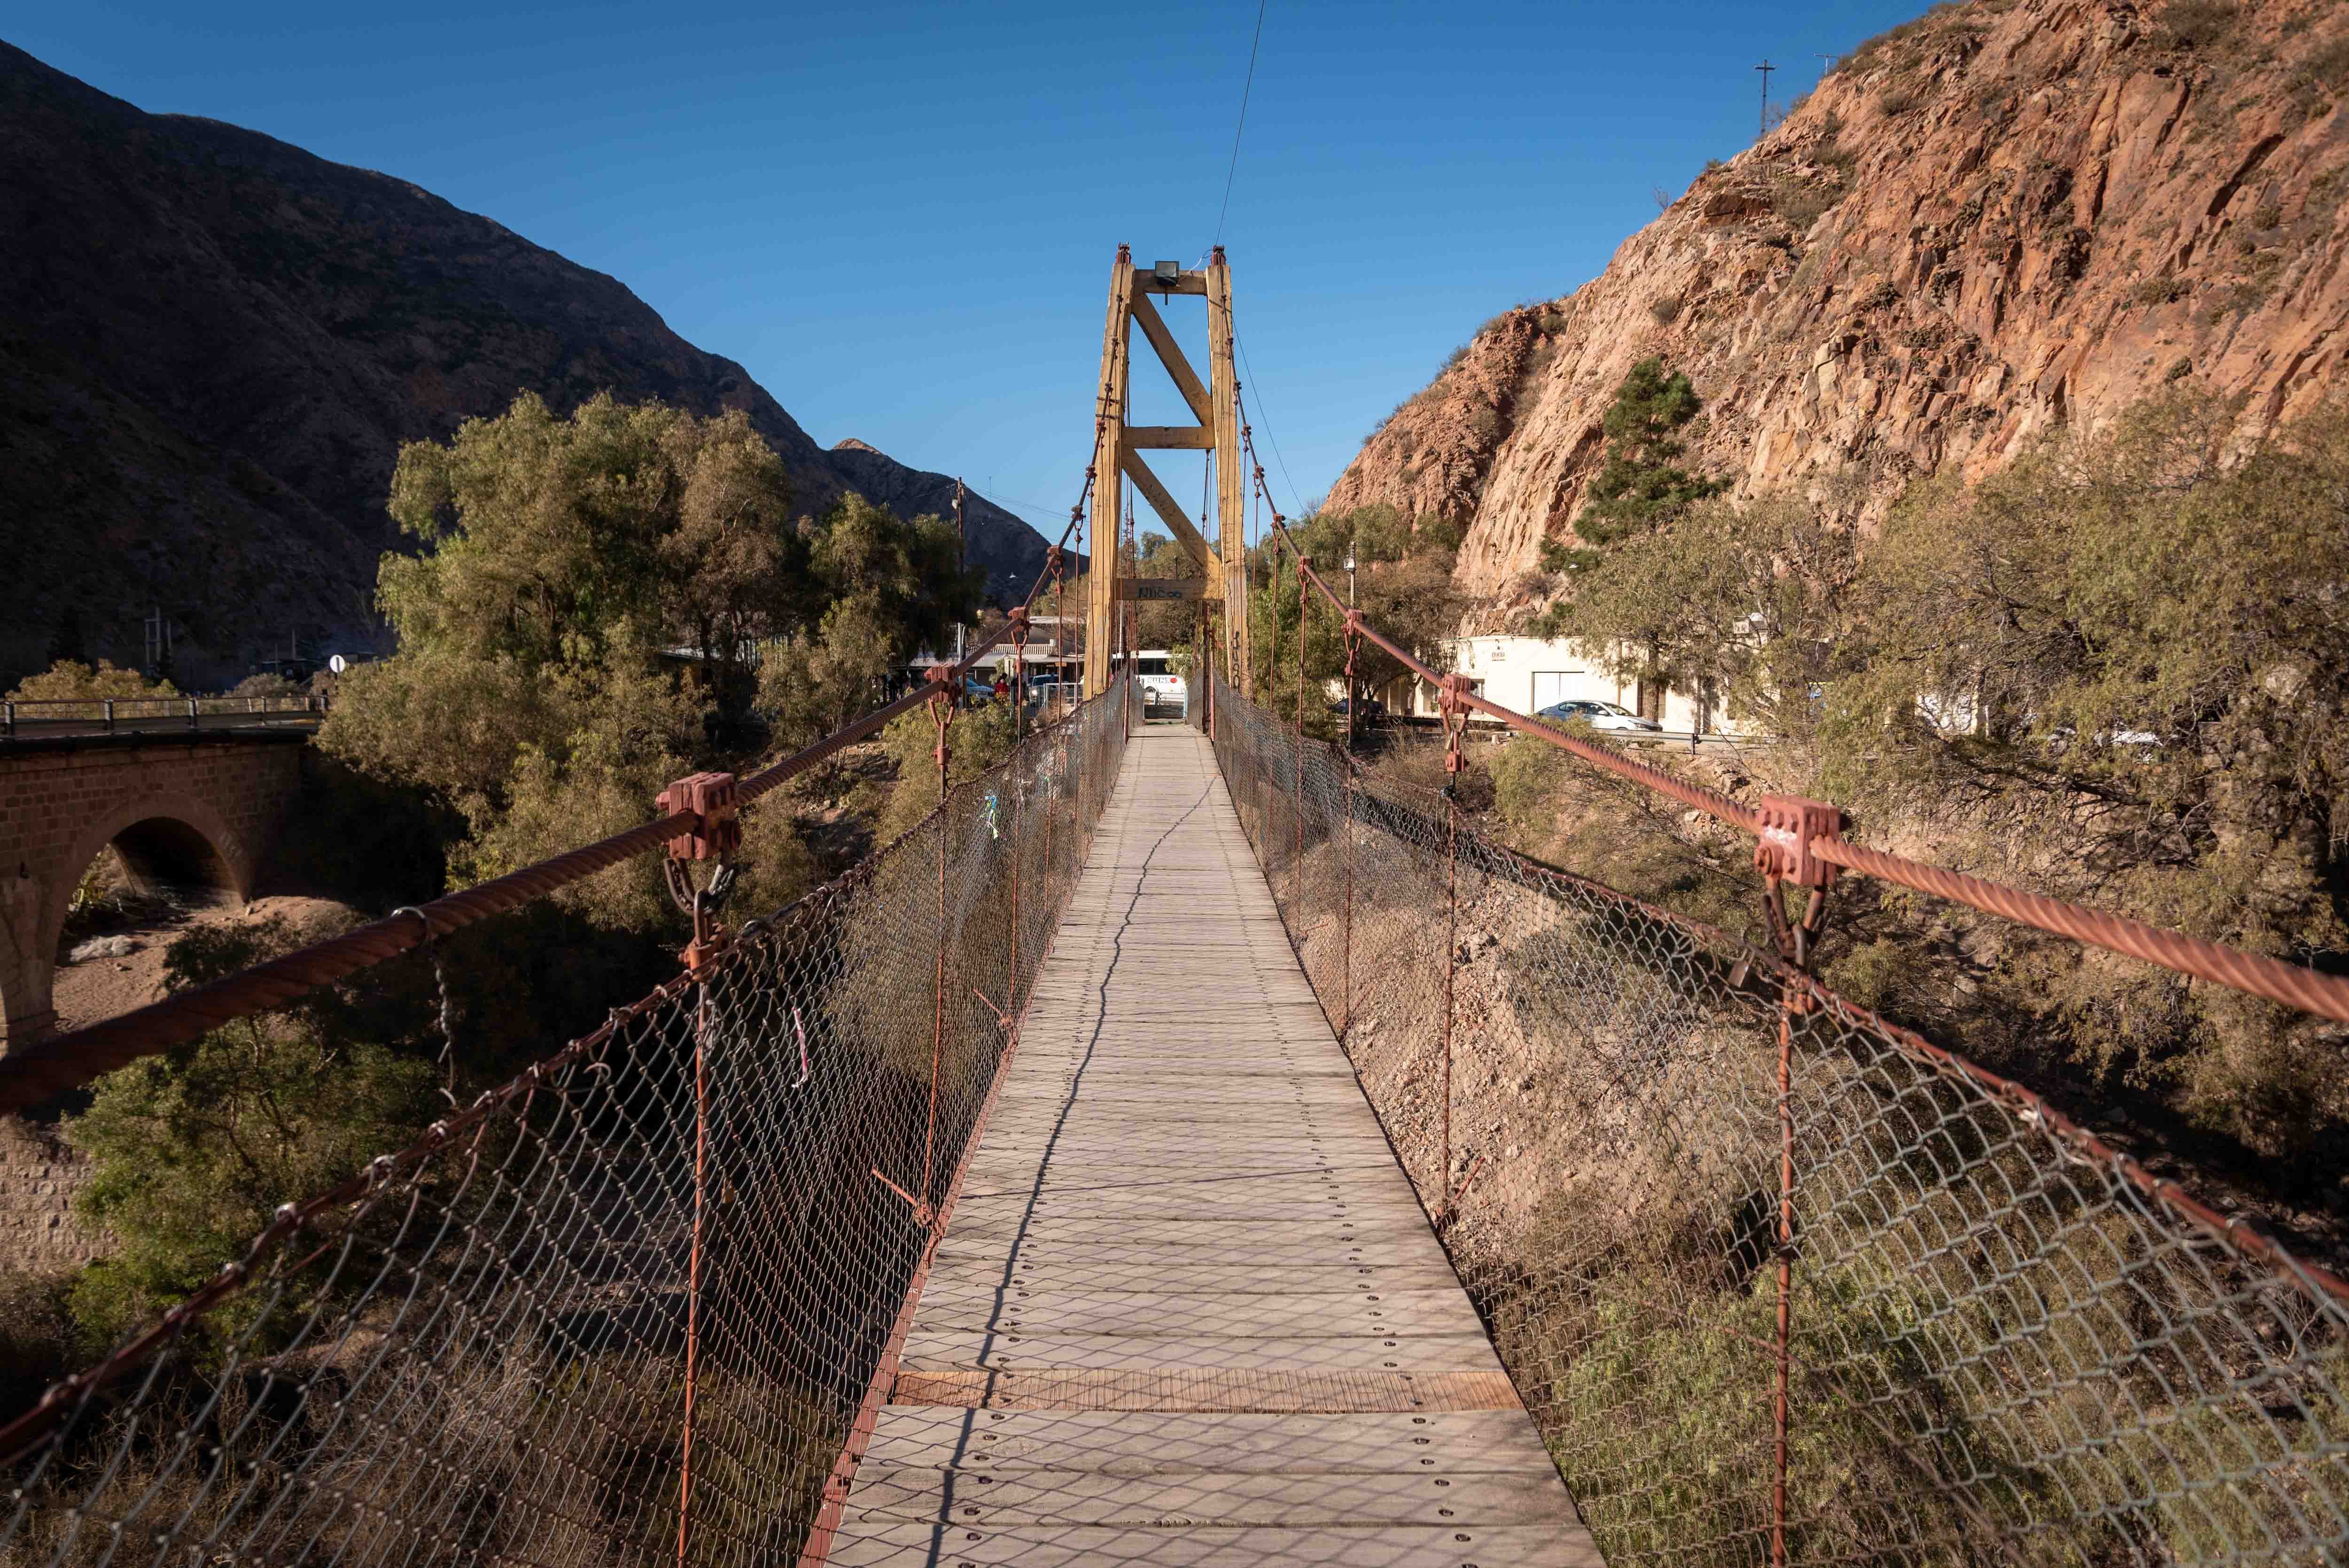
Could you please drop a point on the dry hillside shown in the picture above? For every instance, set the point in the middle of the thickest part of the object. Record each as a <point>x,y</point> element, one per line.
<point>212,345</point>
<point>2005,215</point>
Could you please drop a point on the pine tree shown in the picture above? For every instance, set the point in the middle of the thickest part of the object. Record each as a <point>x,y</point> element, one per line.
<point>1638,487</point>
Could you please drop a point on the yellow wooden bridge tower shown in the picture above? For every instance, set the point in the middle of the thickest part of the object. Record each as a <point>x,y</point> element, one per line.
<point>1119,449</point>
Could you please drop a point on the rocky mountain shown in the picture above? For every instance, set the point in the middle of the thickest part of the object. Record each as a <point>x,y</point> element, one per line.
<point>212,345</point>
<point>2005,216</point>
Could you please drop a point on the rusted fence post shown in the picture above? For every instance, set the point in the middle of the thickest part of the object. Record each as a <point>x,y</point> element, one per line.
<point>1346,939</point>
<point>1787,829</point>
<point>1011,781</point>
<point>1455,715</point>
<point>1781,1376</point>
<point>718,836</point>
<point>1297,774</point>
<point>693,1266</point>
<point>1050,769</point>
<point>942,707</point>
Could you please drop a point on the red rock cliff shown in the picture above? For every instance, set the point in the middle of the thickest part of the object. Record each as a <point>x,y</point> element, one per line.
<point>2007,214</point>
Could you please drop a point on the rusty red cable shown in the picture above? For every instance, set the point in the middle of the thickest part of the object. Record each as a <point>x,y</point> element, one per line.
<point>290,1219</point>
<point>33,1073</point>
<point>2292,985</point>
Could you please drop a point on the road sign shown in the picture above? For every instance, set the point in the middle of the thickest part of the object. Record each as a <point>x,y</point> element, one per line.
<point>1161,589</point>
<point>338,664</point>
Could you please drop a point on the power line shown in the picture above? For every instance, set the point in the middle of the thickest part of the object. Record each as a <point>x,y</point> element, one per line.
<point>1246,89</point>
<point>1014,505</point>
<point>1295,495</point>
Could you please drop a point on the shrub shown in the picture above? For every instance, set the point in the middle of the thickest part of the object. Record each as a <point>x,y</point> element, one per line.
<point>1528,776</point>
<point>37,1341</point>
<point>978,738</point>
<point>69,679</point>
<point>193,1152</point>
<point>1559,557</point>
<point>2193,24</point>
<point>2151,643</point>
<point>1665,308</point>
<point>2326,70</point>
<point>1801,203</point>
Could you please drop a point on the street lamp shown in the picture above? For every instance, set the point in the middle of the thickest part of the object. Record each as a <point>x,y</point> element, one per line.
<point>1353,696</point>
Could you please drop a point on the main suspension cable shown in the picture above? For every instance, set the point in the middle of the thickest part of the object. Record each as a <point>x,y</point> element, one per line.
<point>2292,985</point>
<point>33,1073</point>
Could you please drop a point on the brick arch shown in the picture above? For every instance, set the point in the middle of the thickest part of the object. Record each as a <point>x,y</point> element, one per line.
<point>204,806</point>
<point>232,861</point>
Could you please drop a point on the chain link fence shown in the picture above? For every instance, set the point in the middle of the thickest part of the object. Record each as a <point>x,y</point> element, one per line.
<point>1778,1280</point>
<point>637,1305</point>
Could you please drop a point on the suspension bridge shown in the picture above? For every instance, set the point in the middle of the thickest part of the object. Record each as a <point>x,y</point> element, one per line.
<point>1090,1177</point>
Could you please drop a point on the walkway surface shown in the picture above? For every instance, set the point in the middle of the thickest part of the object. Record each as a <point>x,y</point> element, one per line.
<point>1188,1310</point>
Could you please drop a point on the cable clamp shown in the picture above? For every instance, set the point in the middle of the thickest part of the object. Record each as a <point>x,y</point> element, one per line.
<point>1790,826</point>
<point>711,798</point>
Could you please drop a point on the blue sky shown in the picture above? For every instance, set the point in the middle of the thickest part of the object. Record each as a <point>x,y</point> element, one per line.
<point>901,217</point>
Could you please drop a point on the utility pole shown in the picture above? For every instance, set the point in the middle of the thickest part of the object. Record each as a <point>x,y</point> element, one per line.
<point>1765,67</point>
<point>1826,64</point>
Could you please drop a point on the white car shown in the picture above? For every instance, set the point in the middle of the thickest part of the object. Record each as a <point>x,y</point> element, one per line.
<point>1161,687</point>
<point>1598,715</point>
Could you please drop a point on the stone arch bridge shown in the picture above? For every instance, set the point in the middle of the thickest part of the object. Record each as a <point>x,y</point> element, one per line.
<point>192,811</point>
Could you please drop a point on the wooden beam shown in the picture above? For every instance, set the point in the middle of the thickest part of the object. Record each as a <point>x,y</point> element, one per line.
<point>1100,620</point>
<point>1231,481</point>
<point>1129,462</point>
<point>1158,589</point>
<point>1190,438</point>
<point>1170,353</point>
<point>1146,282</point>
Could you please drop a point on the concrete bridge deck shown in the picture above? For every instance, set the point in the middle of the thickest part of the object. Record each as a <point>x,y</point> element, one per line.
<point>1188,1309</point>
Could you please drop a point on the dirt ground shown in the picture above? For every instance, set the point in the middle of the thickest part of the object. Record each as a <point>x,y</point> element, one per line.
<point>100,987</point>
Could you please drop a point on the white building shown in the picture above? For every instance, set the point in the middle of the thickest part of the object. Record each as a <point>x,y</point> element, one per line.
<point>1529,673</point>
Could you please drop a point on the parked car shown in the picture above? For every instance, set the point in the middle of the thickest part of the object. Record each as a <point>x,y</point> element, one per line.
<point>1598,715</point>
<point>1372,707</point>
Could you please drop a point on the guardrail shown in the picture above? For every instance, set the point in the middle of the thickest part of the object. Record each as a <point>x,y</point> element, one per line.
<point>25,717</point>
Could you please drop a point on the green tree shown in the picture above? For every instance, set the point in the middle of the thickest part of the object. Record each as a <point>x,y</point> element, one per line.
<point>1402,584</point>
<point>561,558</point>
<point>889,588</point>
<point>1638,486</point>
<point>191,1151</point>
<point>1748,600</point>
<point>560,541</point>
<point>69,679</point>
<point>1165,624</point>
<point>2123,662</point>
<point>977,738</point>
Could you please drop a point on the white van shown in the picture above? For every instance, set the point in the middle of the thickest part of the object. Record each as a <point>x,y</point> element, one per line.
<point>1161,687</point>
